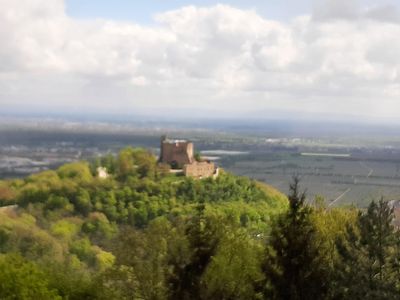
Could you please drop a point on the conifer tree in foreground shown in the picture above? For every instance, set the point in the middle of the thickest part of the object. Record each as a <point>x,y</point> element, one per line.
<point>367,264</point>
<point>293,267</point>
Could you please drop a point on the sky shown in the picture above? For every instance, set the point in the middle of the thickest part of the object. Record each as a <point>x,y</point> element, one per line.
<point>296,59</point>
<point>143,12</point>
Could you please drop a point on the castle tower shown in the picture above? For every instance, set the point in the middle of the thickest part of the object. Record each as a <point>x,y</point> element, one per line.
<point>177,153</point>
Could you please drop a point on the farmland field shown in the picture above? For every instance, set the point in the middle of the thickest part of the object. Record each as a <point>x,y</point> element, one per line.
<point>340,180</point>
<point>344,171</point>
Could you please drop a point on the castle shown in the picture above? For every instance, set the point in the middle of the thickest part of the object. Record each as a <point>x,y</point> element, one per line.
<point>179,154</point>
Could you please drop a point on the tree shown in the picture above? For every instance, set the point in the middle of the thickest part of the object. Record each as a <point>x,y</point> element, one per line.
<point>235,267</point>
<point>141,268</point>
<point>146,163</point>
<point>203,237</point>
<point>79,171</point>
<point>366,269</point>
<point>82,202</point>
<point>125,162</point>
<point>20,279</point>
<point>293,266</point>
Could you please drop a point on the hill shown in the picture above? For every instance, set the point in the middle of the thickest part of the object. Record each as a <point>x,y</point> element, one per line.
<point>129,234</point>
<point>138,231</point>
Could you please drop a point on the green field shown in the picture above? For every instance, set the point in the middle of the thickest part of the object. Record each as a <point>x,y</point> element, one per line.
<point>342,180</point>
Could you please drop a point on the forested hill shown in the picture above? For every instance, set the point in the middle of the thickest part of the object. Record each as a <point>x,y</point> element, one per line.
<point>144,233</point>
<point>135,234</point>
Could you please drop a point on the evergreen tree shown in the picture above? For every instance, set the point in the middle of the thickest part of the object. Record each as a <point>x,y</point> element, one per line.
<point>395,260</point>
<point>366,267</point>
<point>293,266</point>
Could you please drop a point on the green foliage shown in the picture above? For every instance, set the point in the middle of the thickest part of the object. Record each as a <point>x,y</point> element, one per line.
<point>203,234</point>
<point>118,283</point>
<point>140,233</point>
<point>65,229</point>
<point>4,237</point>
<point>98,227</point>
<point>24,236</point>
<point>331,225</point>
<point>109,162</point>
<point>70,278</point>
<point>104,259</point>
<point>20,279</point>
<point>83,249</point>
<point>7,194</point>
<point>145,163</point>
<point>147,264</point>
<point>58,202</point>
<point>83,203</point>
<point>197,156</point>
<point>144,233</point>
<point>235,267</point>
<point>367,256</point>
<point>79,171</point>
<point>293,267</point>
<point>125,163</point>
<point>225,188</point>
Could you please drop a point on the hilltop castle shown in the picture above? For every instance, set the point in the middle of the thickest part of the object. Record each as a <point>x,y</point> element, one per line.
<point>179,154</point>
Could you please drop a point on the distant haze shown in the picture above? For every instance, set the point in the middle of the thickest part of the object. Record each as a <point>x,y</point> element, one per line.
<point>327,60</point>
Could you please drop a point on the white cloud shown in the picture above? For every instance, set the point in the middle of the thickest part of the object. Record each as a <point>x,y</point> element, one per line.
<point>384,13</point>
<point>342,59</point>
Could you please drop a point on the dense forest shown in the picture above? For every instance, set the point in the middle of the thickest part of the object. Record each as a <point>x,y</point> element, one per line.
<point>144,233</point>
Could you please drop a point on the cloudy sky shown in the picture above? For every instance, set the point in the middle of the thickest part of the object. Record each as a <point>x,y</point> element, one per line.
<point>323,59</point>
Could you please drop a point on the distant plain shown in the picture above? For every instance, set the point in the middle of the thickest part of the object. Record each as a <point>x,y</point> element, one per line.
<point>346,169</point>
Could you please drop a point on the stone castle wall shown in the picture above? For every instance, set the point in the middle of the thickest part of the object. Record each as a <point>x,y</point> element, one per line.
<point>177,153</point>
<point>180,154</point>
<point>199,169</point>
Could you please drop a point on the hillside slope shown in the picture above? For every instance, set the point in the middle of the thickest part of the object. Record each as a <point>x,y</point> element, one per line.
<point>80,232</point>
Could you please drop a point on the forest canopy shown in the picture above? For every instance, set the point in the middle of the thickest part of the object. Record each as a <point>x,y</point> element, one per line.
<point>144,233</point>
